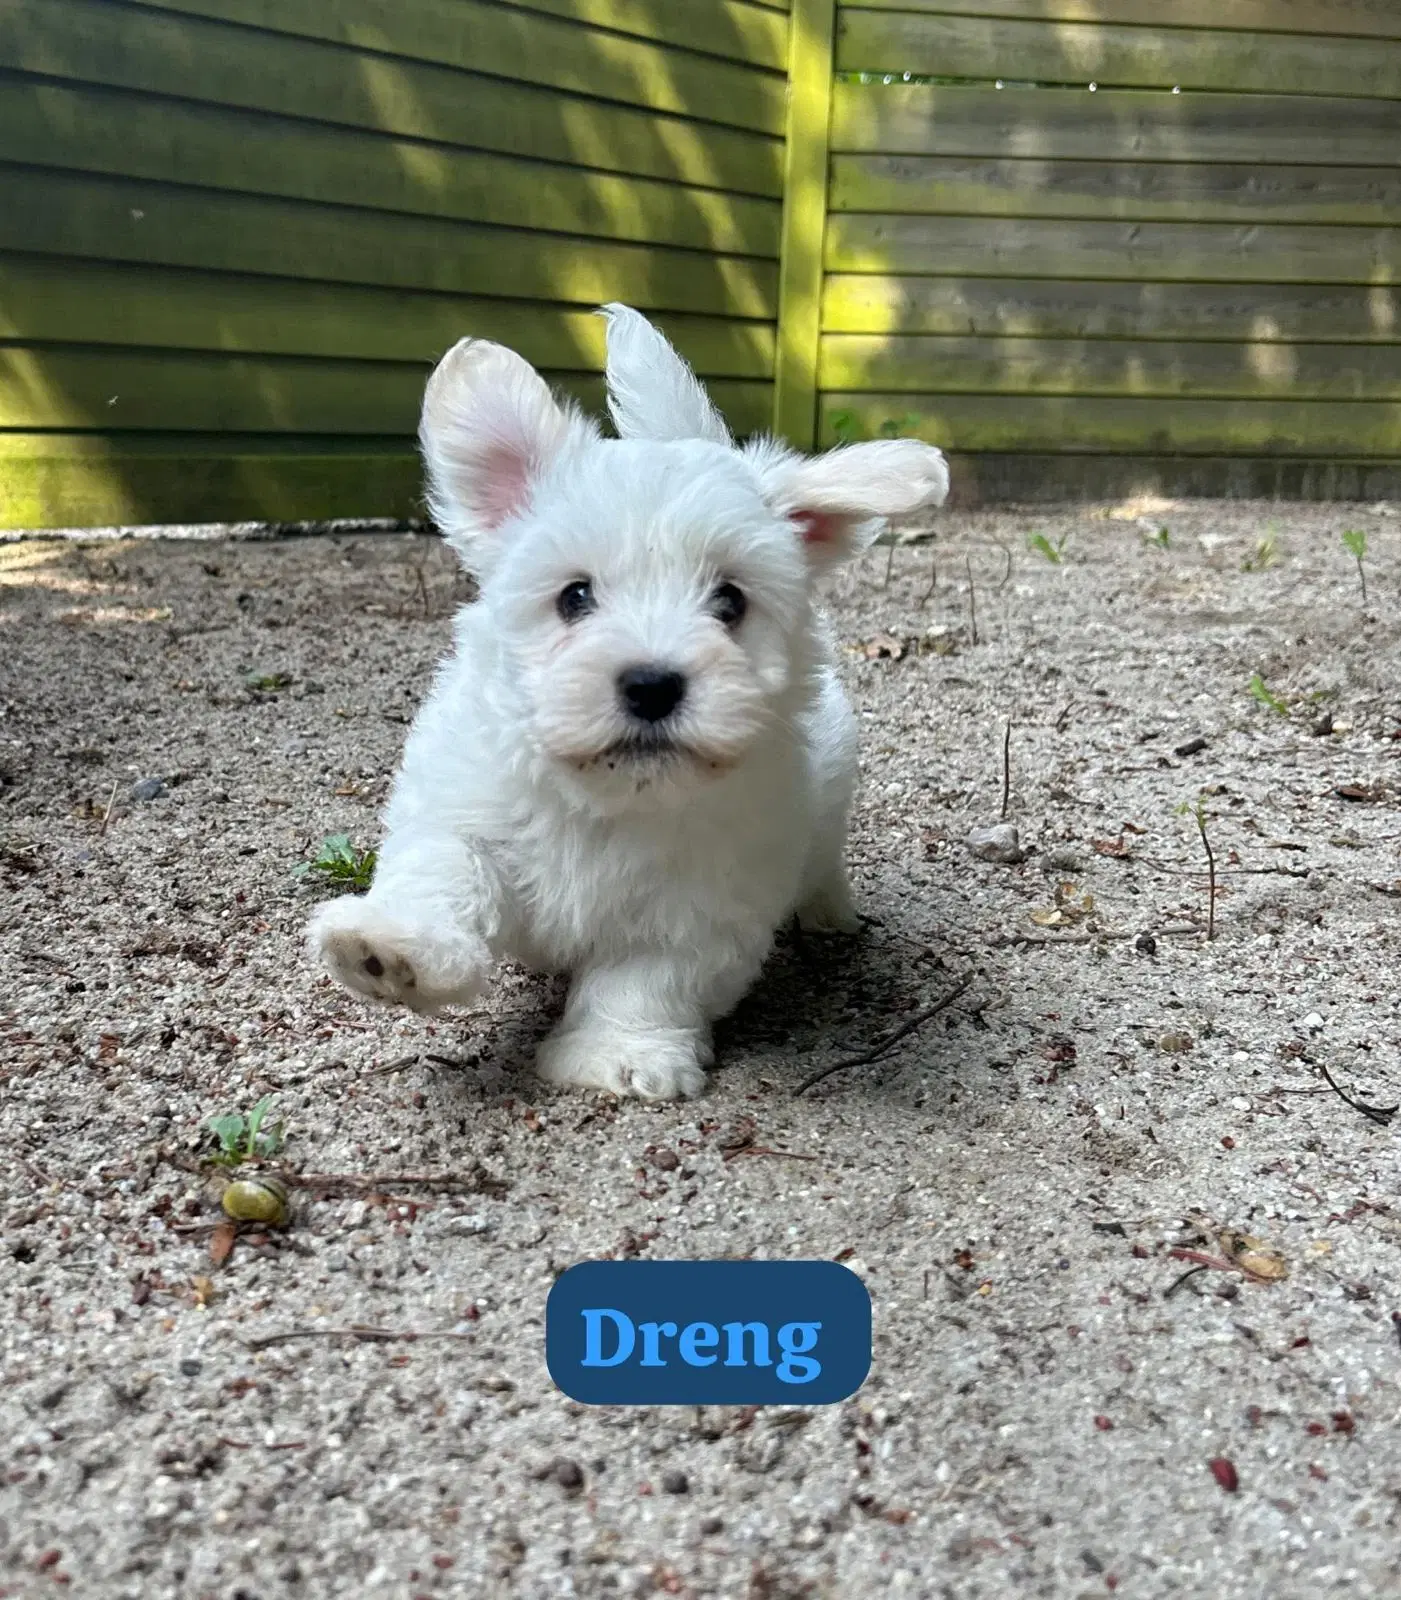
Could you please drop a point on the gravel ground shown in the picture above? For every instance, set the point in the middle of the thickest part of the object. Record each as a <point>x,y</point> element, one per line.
<point>1025,1181</point>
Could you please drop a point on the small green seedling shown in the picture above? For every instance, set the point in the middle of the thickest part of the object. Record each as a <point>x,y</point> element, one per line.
<point>898,427</point>
<point>1355,542</point>
<point>1263,556</point>
<point>1054,553</point>
<point>268,682</point>
<point>340,862</point>
<point>1266,696</point>
<point>242,1136</point>
<point>1196,809</point>
<point>1162,538</point>
<point>845,426</point>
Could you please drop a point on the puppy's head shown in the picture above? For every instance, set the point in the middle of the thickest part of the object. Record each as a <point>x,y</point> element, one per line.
<point>651,593</point>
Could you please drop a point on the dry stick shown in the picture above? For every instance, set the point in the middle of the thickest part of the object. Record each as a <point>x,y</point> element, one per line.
<point>881,1047</point>
<point>1210,872</point>
<point>355,1331</point>
<point>972,602</point>
<point>379,1182</point>
<point>928,594</point>
<point>1006,768</point>
<point>107,815</point>
<point>889,563</point>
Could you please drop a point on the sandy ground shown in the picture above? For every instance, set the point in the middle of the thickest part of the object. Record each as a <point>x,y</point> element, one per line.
<point>1017,1181</point>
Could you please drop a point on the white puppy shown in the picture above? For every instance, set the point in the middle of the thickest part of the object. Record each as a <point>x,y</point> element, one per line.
<point>639,761</point>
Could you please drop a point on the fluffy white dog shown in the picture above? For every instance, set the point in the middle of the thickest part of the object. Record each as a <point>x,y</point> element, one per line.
<point>638,762</point>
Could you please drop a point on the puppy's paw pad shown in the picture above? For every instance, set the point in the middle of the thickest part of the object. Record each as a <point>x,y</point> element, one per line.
<point>650,1067</point>
<point>371,966</point>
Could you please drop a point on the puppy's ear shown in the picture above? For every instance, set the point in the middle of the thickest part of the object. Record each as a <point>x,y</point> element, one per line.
<point>838,502</point>
<point>490,428</point>
<point>652,393</point>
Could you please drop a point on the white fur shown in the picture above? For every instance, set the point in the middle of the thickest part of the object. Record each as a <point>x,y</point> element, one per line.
<point>524,824</point>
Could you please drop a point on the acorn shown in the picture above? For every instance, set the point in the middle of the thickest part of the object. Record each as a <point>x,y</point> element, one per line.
<point>257,1200</point>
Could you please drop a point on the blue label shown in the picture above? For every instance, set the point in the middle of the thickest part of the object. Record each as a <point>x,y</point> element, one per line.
<point>726,1333</point>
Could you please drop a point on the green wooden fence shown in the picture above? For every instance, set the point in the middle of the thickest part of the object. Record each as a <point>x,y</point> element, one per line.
<point>1185,277</point>
<point>234,234</point>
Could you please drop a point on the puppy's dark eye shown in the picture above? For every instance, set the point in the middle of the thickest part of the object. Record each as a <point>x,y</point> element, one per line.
<point>728,605</point>
<point>575,600</point>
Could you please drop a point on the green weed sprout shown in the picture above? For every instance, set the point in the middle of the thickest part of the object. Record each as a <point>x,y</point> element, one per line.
<point>1266,696</point>
<point>1355,542</point>
<point>1054,553</point>
<point>242,1137</point>
<point>340,862</point>
<point>1196,809</point>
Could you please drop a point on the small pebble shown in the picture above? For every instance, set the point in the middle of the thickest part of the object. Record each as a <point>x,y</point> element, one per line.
<point>1176,1044</point>
<point>568,1474</point>
<point>1191,748</point>
<point>666,1160</point>
<point>1313,1023</point>
<point>191,1366</point>
<point>148,789</point>
<point>1146,944</point>
<point>1062,860</point>
<point>1000,842</point>
<point>675,1482</point>
<point>711,1525</point>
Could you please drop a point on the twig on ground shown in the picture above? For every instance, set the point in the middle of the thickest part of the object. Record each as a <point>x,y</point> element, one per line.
<point>972,603</point>
<point>1002,940</point>
<point>107,814</point>
<point>265,1341</point>
<point>1006,768</point>
<point>928,594</point>
<point>398,1064</point>
<point>1381,1115</point>
<point>476,1182</point>
<point>764,1150</point>
<point>882,1046</point>
<point>1177,1283</point>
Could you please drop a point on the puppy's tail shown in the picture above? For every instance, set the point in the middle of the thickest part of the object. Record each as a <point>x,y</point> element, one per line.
<point>652,393</point>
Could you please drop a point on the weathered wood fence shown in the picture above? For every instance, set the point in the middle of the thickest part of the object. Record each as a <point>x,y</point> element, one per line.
<point>235,233</point>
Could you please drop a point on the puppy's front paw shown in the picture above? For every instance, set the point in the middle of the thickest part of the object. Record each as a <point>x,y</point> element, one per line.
<point>386,960</point>
<point>660,1064</point>
<point>829,910</point>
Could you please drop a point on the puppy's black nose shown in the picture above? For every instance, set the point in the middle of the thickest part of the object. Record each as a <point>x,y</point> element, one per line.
<point>651,693</point>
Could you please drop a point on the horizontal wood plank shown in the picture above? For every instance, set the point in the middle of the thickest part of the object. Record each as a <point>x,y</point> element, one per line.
<point>87,480</point>
<point>98,302</point>
<point>1122,124</point>
<point>1047,308</point>
<point>115,219</point>
<point>997,478</point>
<point>1378,19</point>
<point>1129,190</point>
<point>1268,370</point>
<point>1126,425</point>
<point>503,42</point>
<point>1061,52</point>
<point>71,127</point>
<point>294,77</point>
<point>734,29</point>
<point>118,390</point>
<point>1213,252</point>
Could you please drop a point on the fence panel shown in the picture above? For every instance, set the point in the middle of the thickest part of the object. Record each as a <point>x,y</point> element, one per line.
<point>235,234</point>
<point>1183,277</point>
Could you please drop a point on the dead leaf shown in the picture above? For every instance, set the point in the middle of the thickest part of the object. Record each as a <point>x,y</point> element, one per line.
<point>221,1241</point>
<point>201,1291</point>
<point>1110,847</point>
<point>1072,906</point>
<point>1176,1044</point>
<point>1253,1256</point>
<point>884,647</point>
<point>1362,792</point>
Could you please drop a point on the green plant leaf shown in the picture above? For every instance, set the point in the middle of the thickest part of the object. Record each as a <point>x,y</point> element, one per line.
<point>1355,540</point>
<point>1266,696</point>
